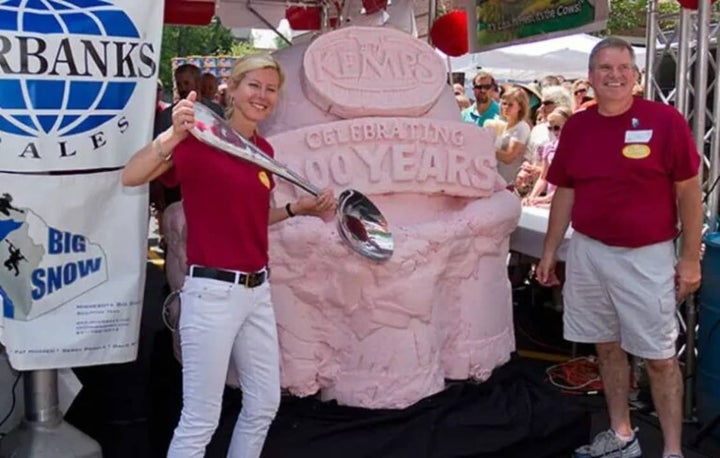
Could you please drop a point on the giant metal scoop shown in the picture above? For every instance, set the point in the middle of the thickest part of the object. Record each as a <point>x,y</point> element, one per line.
<point>359,222</point>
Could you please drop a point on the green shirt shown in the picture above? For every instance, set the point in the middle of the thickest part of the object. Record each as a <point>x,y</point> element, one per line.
<point>470,114</point>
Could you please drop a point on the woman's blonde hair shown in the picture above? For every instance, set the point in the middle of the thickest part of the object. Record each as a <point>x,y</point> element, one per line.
<point>517,94</point>
<point>560,113</point>
<point>577,83</point>
<point>249,63</point>
<point>574,87</point>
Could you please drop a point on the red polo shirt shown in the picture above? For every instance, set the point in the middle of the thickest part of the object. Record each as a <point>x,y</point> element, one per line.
<point>226,202</point>
<point>623,170</point>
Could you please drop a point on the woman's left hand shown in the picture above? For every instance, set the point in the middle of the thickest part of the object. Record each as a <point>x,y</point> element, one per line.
<point>315,206</point>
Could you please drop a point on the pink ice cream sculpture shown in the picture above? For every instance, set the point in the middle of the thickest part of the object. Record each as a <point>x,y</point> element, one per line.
<point>370,109</point>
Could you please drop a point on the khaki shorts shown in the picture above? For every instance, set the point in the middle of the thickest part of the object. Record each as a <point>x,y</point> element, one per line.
<point>626,295</point>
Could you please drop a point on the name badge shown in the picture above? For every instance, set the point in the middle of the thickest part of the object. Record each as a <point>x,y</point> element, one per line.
<point>636,151</point>
<point>638,136</point>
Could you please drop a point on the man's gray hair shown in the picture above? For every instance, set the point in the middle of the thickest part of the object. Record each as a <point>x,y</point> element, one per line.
<point>610,42</point>
<point>483,74</point>
<point>558,95</point>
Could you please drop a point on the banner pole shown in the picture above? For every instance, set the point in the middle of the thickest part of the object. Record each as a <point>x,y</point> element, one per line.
<point>43,432</point>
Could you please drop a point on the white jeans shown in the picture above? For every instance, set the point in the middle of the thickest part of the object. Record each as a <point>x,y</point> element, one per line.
<point>220,320</point>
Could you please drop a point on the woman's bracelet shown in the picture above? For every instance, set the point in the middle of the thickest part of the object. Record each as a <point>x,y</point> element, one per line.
<point>158,150</point>
<point>288,210</point>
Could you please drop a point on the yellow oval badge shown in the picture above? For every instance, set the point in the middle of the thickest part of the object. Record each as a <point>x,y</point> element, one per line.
<point>636,151</point>
<point>264,179</point>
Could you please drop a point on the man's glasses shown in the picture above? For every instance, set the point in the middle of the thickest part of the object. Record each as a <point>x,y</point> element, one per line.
<point>580,91</point>
<point>555,128</point>
<point>484,87</point>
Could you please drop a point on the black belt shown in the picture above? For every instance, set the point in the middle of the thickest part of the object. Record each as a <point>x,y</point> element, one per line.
<point>249,280</point>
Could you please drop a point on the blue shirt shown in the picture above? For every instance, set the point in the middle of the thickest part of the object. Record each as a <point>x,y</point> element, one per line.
<point>470,114</point>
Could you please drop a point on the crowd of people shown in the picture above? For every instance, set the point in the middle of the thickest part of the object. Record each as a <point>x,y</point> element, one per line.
<point>528,120</point>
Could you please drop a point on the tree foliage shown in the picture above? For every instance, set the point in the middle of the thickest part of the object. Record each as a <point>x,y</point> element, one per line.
<point>181,41</point>
<point>240,48</point>
<point>280,43</point>
<point>628,17</point>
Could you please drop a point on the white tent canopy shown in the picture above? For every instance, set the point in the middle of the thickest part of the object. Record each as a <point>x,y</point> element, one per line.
<point>567,56</point>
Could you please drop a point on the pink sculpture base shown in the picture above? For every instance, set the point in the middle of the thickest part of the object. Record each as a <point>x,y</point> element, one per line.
<point>370,109</point>
<point>387,335</point>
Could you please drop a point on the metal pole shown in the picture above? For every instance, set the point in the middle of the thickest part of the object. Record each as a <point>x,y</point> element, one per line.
<point>432,12</point>
<point>43,433</point>
<point>699,108</point>
<point>267,23</point>
<point>682,72</point>
<point>690,360</point>
<point>701,73</point>
<point>41,397</point>
<point>650,49</point>
<point>324,17</point>
<point>714,196</point>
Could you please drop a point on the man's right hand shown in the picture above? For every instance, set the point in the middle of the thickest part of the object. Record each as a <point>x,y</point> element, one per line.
<point>545,271</point>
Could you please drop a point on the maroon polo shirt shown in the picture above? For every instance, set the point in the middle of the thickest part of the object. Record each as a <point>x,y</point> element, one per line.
<point>226,202</point>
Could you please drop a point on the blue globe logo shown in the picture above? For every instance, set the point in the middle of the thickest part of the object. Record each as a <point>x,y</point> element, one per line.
<point>32,105</point>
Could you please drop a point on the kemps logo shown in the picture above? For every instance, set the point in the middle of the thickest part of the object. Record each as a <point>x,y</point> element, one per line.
<point>43,267</point>
<point>372,71</point>
<point>68,67</point>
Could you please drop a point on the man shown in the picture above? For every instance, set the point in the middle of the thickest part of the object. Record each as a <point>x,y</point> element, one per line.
<point>208,86</point>
<point>160,104</point>
<point>222,95</point>
<point>550,80</point>
<point>484,107</point>
<point>626,168</point>
<point>187,79</point>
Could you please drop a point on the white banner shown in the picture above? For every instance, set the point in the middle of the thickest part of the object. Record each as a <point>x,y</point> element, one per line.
<point>72,249</point>
<point>77,82</point>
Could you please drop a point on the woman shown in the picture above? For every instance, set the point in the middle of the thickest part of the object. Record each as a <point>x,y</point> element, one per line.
<point>511,146</point>
<point>556,121</point>
<point>226,306</point>
<point>579,90</point>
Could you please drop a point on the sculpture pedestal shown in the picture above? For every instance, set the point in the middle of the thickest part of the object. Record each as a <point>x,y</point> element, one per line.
<point>386,335</point>
<point>43,433</point>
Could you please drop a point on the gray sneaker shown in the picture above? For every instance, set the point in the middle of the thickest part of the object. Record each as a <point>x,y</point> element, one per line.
<point>608,445</point>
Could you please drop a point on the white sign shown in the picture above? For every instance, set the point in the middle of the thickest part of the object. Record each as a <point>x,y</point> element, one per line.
<point>77,82</point>
<point>77,94</point>
<point>72,268</point>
